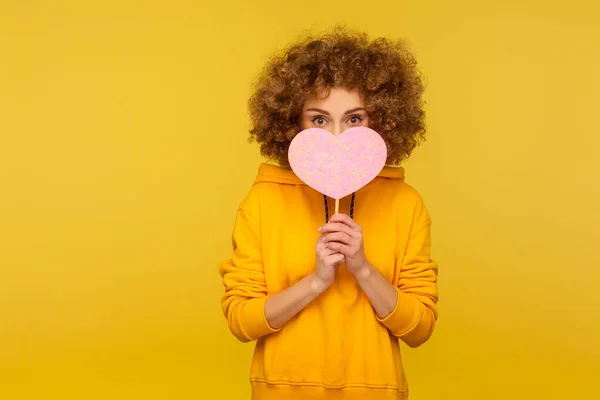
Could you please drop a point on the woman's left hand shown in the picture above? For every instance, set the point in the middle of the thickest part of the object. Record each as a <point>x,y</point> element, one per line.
<point>343,235</point>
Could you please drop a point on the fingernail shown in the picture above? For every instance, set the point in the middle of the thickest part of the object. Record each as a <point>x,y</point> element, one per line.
<point>319,229</point>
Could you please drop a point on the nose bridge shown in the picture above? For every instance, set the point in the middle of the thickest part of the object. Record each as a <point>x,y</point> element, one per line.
<point>337,128</point>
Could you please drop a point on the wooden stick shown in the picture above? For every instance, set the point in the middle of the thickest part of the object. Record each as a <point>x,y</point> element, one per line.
<point>337,206</point>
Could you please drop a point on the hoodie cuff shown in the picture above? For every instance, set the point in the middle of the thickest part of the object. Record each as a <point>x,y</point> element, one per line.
<point>253,320</point>
<point>404,317</point>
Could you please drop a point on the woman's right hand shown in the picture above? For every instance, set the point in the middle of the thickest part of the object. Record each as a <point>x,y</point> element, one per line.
<point>327,263</point>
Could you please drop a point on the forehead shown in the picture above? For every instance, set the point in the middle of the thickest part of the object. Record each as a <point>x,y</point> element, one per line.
<point>335,99</point>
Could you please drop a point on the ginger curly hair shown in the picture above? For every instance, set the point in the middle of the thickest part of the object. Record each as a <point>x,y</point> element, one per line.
<point>383,71</point>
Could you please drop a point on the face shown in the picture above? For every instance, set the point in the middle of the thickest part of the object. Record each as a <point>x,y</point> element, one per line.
<point>342,109</point>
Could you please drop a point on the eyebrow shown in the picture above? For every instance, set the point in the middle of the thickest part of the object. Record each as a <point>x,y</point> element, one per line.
<point>346,113</point>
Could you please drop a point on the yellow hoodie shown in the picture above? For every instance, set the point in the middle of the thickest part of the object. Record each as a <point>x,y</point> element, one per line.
<point>336,347</point>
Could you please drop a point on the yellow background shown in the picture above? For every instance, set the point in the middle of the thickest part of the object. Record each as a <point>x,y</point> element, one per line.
<point>123,156</point>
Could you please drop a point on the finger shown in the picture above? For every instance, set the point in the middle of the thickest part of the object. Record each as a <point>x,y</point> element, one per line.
<point>345,219</point>
<point>320,245</point>
<point>342,248</point>
<point>341,237</point>
<point>337,227</point>
<point>326,252</point>
<point>336,258</point>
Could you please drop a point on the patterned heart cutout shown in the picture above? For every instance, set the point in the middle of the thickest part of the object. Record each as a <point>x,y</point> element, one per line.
<point>337,165</point>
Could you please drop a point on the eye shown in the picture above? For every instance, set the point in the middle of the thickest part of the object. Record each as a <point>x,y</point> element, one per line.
<point>355,119</point>
<point>318,121</point>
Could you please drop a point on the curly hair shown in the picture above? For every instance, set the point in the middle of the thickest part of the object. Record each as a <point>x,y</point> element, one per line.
<point>383,71</point>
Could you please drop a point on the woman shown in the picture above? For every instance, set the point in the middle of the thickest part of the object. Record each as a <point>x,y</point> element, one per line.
<point>328,297</point>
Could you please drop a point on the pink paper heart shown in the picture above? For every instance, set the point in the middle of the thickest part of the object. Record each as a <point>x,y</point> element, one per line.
<point>337,166</point>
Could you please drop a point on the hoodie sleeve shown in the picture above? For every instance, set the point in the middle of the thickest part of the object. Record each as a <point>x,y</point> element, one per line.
<point>413,319</point>
<point>243,277</point>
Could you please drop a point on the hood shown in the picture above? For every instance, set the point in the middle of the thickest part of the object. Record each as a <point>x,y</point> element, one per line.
<point>273,173</point>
